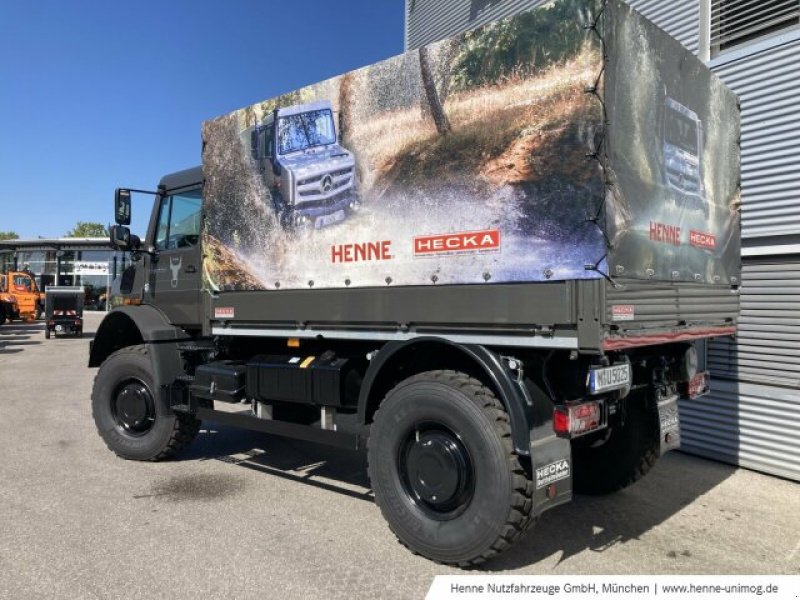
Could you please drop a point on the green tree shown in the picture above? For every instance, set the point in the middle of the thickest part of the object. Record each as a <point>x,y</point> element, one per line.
<point>8,235</point>
<point>88,229</point>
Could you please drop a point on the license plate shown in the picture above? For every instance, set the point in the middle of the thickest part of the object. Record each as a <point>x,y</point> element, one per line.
<point>330,219</point>
<point>699,385</point>
<point>614,377</point>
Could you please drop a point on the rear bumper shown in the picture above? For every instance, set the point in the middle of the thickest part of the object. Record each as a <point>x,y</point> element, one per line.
<point>612,343</point>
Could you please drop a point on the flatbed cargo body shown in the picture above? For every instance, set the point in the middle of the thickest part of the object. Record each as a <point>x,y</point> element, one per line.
<point>486,267</point>
<point>575,315</point>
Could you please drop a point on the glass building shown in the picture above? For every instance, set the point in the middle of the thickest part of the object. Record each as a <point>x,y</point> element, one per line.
<point>87,262</point>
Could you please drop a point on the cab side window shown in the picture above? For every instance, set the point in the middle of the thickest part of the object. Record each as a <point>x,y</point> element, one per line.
<point>179,221</point>
<point>184,221</point>
<point>162,228</point>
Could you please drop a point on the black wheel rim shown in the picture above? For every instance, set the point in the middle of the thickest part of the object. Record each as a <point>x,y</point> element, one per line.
<point>133,408</point>
<point>436,471</point>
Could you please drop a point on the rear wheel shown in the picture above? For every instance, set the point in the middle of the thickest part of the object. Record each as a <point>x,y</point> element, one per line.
<point>131,421</point>
<point>47,333</point>
<point>624,458</point>
<point>443,470</point>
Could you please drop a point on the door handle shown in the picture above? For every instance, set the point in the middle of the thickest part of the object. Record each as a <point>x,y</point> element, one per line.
<point>190,269</point>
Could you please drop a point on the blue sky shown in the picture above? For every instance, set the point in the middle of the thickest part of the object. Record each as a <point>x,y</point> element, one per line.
<point>96,95</point>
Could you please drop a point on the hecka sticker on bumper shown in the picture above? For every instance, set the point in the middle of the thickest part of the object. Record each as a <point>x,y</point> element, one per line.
<point>551,473</point>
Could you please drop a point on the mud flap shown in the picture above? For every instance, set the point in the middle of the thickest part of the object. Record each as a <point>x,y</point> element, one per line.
<point>669,424</point>
<point>551,469</point>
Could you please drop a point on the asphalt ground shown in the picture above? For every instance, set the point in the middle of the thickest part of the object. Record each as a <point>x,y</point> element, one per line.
<point>247,515</point>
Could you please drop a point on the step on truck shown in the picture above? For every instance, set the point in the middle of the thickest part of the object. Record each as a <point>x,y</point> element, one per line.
<point>511,318</point>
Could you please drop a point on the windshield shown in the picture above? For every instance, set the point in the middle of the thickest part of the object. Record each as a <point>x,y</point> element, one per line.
<point>681,131</point>
<point>305,130</point>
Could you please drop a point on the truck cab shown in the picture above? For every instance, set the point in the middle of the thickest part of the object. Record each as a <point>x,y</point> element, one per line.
<point>29,301</point>
<point>165,270</point>
<point>310,176</point>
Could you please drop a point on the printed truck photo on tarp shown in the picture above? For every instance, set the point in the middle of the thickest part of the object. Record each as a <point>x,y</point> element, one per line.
<point>462,162</point>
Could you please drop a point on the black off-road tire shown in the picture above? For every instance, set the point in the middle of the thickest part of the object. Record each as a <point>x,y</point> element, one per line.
<point>498,511</point>
<point>168,433</point>
<point>628,455</point>
<point>39,312</point>
<point>47,333</point>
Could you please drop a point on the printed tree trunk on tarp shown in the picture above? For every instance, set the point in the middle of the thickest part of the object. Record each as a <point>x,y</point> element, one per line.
<point>432,101</point>
<point>541,147</point>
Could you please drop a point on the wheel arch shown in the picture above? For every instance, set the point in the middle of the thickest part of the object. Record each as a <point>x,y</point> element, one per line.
<point>399,360</point>
<point>132,325</point>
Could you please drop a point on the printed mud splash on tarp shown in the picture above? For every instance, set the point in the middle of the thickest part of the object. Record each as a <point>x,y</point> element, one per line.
<point>463,162</point>
<point>672,158</point>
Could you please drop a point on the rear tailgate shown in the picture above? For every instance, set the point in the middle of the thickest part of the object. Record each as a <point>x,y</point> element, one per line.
<point>639,313</point>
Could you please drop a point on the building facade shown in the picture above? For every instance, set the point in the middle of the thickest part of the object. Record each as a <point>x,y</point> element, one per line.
<point>86,262</point>
<point>752,416</point>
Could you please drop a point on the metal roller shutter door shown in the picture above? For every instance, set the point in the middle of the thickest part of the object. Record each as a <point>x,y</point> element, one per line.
<point>752,416</point>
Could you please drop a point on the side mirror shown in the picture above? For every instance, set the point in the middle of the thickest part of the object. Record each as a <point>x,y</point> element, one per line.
<point>122,207</point>
<point>121,238</point>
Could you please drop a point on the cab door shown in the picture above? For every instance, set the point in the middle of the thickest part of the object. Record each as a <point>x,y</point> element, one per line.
<point>174,282</point>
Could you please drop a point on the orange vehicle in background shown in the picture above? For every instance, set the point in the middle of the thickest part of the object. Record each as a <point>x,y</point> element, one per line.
<point>29,300</point>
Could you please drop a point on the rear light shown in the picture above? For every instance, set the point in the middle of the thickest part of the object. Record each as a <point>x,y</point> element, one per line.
<point>77,321</point>
<point>575,420</point>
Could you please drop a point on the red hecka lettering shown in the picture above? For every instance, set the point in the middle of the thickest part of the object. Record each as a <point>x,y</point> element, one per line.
<point>336,253</point>
<point>385,247</point>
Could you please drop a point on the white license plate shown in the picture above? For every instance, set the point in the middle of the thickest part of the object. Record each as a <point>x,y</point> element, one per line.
<point>609,378</point>
<point>326,220</point>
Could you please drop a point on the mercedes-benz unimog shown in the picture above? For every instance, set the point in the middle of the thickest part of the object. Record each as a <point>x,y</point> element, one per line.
<point>511,318</point>
<point>311,178</point>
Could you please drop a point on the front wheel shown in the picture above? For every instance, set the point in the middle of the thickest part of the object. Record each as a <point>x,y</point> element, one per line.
<point>131,421</point>
<point>444,472</point>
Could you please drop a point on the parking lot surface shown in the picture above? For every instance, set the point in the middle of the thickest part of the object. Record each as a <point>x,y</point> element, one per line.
<point>247,515</point>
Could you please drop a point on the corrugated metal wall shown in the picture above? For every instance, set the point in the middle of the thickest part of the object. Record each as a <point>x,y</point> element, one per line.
<point>681,18</point>
<point>767,349</point>
<point>431,20</point>
<point>768,84</point>
<point>752,416</point>
<point>747,424</point>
